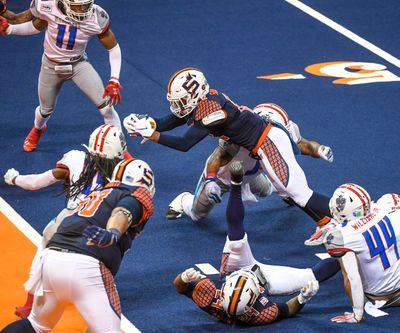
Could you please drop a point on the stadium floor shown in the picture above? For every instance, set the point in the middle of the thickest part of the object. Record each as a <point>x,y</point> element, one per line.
<point>241,46</point>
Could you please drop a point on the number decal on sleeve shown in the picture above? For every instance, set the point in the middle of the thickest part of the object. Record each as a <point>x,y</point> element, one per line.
<point>71,38</point>
<point>89,206</point>
<point>375,243</point>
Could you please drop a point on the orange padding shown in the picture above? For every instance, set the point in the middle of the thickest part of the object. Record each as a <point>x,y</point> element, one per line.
<point>16,253</point>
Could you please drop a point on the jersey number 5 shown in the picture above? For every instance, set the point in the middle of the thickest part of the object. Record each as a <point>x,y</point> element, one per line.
<point>71,39</point>
<point>375,243</point>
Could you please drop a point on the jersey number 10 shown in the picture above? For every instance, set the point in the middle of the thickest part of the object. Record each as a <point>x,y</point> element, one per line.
<point>375,243</point>
<point>71,38</point>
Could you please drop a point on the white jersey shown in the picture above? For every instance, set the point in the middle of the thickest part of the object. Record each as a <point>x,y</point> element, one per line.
<point>65,40</point>
<point>74,161</point>
<point>375,241</point>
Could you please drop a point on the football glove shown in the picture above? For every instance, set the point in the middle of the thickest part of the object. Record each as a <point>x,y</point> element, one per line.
<point>191,275</point>
<point>112,90</point>
<point>4,26</point>
<point>325,153</point>
<point>348,318</point>
<point>138,124</point>
<point>101,237</point>
<point>213,191</point>
<point>308,291</point>
<point>10,175</point>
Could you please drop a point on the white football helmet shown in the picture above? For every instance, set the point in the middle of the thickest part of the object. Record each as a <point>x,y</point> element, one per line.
<point>135,172</point>
<point>271,111</point>
<point>389,202</point>
<point>239,292</point>
<point>78,10</point>
<point>185,89</point>
<point>349,202</point>
<point>107,141</point>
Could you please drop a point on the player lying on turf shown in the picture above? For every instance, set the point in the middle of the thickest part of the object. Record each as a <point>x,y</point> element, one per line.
<point>244,296</point>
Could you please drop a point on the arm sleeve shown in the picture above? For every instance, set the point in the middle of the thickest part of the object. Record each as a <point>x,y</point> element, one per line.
<point>36,181</point>
<point>114,56</point>
<point>23,29</point>
<point>183,143</point>
<point>283,311</point>
<point>168,123</point>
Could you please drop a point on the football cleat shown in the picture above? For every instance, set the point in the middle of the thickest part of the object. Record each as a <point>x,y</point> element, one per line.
<point>32,139</point>
<point>175,208</point>
<point>237,172</point>
<point>317,238</point>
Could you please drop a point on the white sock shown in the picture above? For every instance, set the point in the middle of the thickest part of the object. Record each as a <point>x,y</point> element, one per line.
<point>111,116</point>
<point>40,121</point>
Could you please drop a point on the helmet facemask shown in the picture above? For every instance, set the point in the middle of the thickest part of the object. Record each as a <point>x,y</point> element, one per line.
<point>78,10</point>
<point>185,89</point>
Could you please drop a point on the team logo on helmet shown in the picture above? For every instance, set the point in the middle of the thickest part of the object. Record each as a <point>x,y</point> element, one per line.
<point>340,203</point>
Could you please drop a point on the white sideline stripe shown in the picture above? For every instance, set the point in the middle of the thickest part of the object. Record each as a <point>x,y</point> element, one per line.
<point>345,32</point>
<point>22,225</point>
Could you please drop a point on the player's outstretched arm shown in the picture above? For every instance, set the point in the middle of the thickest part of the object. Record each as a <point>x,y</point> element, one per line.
<point>19,18</point>
<point>354,289</point>
<point>24,29</point>
<point>315,149</point>
<point>183,280</point>
<point>114,54</point>
<point>35,181</point>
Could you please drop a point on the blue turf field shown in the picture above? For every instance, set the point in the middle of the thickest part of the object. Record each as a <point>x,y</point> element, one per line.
<point>233,42</point>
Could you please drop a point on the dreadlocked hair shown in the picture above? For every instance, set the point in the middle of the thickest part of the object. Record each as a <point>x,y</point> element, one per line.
<point>94,164</point>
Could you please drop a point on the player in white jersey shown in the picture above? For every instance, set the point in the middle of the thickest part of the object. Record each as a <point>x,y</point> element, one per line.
<point>82,172</point>
<point>215,179</point>
<point>367,243</point>
<point>69,25</point>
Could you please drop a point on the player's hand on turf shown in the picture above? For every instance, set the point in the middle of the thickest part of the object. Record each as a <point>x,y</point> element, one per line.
<point>213,191</point>
<point>138,124</point>
<point>325,153</point>
<point>10,175</point>
<point>348,318</point>
<point>100,237</point>
<point>308,291</point>
<point>112,90</point>
<point>4,26</point>
<point>191,275</point>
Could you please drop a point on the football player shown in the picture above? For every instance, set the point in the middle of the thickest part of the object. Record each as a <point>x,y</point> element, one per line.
<point>255,183</point>
<point>81,172</point>
<point>367,244</point>
<point>81,259</point>
<point>69,25</point>
<point>209,112</point>
<point>244,296</point>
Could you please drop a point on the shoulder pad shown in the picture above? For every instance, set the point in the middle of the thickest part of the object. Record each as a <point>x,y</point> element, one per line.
<point>34,8</point>
<point>231,148</point>
<point>214,118</point>
<point>71,157</point>
<point>102,17</point>
<point>203,292</point>
<point>334,243</point>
